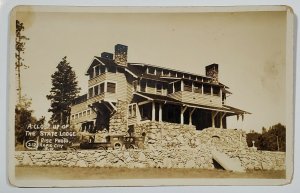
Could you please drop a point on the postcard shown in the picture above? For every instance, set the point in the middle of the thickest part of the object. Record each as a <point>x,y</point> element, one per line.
<point>149,96</point>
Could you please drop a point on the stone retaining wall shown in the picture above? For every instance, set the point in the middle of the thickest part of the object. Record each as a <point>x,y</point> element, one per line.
<point>176,158</point>
<point>167,145</point>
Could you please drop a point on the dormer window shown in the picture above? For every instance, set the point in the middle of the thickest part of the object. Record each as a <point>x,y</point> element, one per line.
<point>151,71</point>
<point>158,72</point>
<point>216,91</point>
<point>97,70</point>
<point>207,89</point>
<point>197,88</point>
<point>166,73</point>
<point>179,75</point>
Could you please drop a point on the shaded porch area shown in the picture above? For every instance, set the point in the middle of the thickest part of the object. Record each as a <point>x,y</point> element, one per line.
<point>164,109</point>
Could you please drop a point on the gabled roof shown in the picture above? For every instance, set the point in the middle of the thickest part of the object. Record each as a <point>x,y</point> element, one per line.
<point>134,70</point>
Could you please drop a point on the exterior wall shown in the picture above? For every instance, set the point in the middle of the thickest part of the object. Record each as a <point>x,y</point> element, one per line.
<point>129,88</point>
<point>80,108</point>
<point>97,79</point>
<point>196,98</point>
<point>121,86</point>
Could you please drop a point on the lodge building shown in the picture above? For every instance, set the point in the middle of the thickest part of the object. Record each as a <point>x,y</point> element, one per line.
<point>151,93</point>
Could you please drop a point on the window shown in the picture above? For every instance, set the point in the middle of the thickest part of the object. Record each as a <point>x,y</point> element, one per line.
<point>97,70</point>
<point>80,114</point>
<point>158,72</point>
<point>170,88</point>
<point>101,88</point>
<point>187,86</point>
<point>159,88</point>
<point>193,77</point>
<point>102,69</point>
<point>143,85</point>
<point>173,74</point>
<point>96,90</point>
<point>84,113</point>
<point>165,72</point>
<point>73,117</point>
<point>179,75</point>
<point>132,110</point>
<point>177,86</point>
<point>197,88</point>
<point>151,84</point>
<point>134,84</point>
<point>206,89</point>
<point>216,91</point>
<point>88,112</point>
<point>151,70</point>
<point>90,92</point>
<point>91,73</point>
<point>76,116</point>
<point>111,87</point>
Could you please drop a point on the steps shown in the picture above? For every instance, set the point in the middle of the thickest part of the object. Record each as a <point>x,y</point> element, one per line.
<point>230,164</point>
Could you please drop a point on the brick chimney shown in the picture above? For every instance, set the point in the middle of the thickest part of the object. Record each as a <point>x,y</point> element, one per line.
<point>121,54</point>
<point>212,71</point>
<point>107,55</point>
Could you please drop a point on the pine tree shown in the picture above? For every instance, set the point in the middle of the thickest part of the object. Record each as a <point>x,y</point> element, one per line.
<point>64,90</point>
<point>20,49</point>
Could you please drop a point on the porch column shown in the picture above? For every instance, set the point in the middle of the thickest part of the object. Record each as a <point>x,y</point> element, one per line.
<point>190,118</point>
<point>181,114</point>
<point>153,111</point>
<point>181,85</point>
<point>221,120</point>
<point>160,113</point>
<point>213,115</point>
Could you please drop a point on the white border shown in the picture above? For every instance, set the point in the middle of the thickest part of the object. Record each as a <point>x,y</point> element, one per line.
<point>6,6</point>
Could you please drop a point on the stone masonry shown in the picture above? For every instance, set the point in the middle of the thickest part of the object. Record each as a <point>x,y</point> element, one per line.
<point>118,121</point>
<point>166,145</point>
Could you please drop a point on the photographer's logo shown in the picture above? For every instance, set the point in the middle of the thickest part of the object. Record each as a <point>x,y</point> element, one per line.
<point>31,144</point>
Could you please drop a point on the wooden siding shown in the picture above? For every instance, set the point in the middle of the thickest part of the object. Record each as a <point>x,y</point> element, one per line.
<point>80,108</point>
<point>121,89</point>
<point>196,98</point>
<point>201,99</point>
<point>151,90</point>
<point>97,79</point>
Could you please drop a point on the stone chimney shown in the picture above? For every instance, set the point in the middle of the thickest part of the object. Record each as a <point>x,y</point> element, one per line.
<point>107,55</point>
<point>121,54</point>
<point>212,71</point>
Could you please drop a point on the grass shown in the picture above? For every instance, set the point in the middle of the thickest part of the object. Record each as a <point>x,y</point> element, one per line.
<point>77,173</point>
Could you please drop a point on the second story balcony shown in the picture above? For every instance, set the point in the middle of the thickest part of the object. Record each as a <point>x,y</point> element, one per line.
<point>197,93</point>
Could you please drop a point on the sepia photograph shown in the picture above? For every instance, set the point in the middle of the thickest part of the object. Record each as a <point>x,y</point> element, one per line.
<point>109,96</point>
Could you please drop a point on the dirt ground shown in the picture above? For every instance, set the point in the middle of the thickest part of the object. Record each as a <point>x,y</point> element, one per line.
<point>76,173</point>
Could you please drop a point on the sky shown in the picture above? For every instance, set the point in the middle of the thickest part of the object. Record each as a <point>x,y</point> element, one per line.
<point>248,46</point>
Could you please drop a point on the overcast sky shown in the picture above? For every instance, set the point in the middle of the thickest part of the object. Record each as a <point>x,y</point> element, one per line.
<point>248,46</point>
